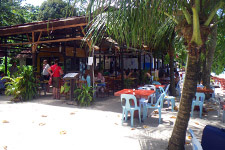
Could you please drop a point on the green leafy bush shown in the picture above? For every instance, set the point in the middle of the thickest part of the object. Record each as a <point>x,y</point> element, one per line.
<point>23,87</point>
<point>84,95</point>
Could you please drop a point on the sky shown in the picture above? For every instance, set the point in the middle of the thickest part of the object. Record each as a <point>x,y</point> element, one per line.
<point>33,2</point>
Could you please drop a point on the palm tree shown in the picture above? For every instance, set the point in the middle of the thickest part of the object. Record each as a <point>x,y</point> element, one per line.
<point>133,23</point>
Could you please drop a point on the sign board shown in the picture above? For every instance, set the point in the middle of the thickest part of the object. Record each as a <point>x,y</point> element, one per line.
<point>71,76</point>
<point>90,61</point>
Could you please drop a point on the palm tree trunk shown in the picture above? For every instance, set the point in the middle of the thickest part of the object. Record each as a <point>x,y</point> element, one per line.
<point>177,139</point>
<point>209,57</point>
<point>171,65</point>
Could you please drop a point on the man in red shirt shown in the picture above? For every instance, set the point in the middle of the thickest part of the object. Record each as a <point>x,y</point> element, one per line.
<point>55,71</point>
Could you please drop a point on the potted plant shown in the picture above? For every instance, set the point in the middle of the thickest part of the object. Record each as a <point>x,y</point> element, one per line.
<point>84,95</point>
<point>22,87</point>
<point>65,90</point>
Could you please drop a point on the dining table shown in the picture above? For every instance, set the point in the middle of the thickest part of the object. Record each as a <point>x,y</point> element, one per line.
<point>157,86</point>
<point>204,90</point>
<point>137,93</point>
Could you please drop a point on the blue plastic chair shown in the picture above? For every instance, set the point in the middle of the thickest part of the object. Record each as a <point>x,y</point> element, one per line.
<point>178,89</point>
<point>128,107</point>
<point>157,105</point>
<point>196,145</point>
<point>143,102</point>
<point>200,85</point>
<point>198,101</point>
<point>213,94</point>
<point>167,97</point>
<point>156,83</point>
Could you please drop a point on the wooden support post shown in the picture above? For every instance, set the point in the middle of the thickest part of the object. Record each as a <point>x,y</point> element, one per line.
<point>104,60</point>
<point>115,69</point>
<point>150,68</point>
<point>64,56</point>
<point>33,51</point>
<point>6,61</point>
<point>100,59</point>
<point>139,67</point>
<point>122,67</point>
<point>74,56</point>
<point>144,62</point>
<point>6,57</point>
<point>154,63</point>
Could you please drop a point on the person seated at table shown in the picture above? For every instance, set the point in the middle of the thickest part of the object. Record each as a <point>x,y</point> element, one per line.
<point>130,73</point>
<point>100,81</point>
<point>2,82</point>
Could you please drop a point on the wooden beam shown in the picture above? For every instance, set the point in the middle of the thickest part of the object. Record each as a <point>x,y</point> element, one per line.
<point>39,36</point>
<point>28,37</point>
<point>30,29</point>
<point>48,41</point>
<point>89,44</point>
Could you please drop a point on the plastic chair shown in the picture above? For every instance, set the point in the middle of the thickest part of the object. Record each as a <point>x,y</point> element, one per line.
<point>128,107</point>
<point>156,83</point>
<point>157,105</point>
<point>196,145</point>
<point>213,94</point>
<point>152,87</point>
<point>199,101</point>
<point>178,89</point>
<point>143,102</point>
<point>200,85</point>
<point>144,88</point>
<point>167,97</point>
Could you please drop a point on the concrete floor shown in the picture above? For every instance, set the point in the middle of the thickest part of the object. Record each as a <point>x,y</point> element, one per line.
<point>48,124</point>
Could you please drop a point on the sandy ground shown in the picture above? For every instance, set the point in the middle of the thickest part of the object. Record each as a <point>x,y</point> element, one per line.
<point>47,124</point>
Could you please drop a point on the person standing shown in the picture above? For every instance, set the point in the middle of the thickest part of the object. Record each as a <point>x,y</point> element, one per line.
<point>45,72</point>
<point>55,71</point>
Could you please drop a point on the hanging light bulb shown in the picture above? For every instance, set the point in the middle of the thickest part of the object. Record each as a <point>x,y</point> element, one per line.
<point>60,47</point>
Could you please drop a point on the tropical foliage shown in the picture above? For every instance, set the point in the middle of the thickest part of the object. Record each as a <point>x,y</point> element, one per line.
<point>133,23</point>
<point>23,87</point>
<point>84,95</point>
<point>60,9</point>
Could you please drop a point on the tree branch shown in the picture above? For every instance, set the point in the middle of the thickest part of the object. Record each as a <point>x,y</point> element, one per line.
<point>212,14</point>
<point>196,36</point>
<point>171,17</point>
<point>187,15</point>
<point>217,22</point>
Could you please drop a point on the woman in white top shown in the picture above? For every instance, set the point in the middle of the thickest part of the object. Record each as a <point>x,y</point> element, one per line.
<point>45,70</point>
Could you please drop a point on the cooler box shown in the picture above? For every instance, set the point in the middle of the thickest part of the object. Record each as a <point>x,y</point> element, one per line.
<point>213,138</point>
